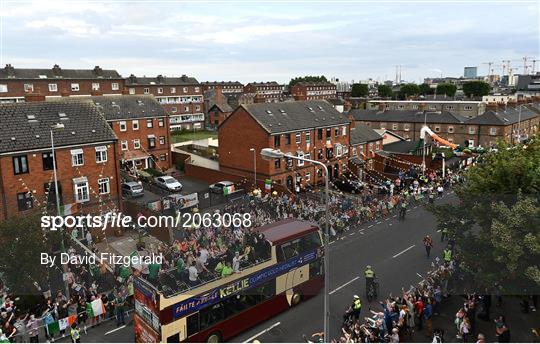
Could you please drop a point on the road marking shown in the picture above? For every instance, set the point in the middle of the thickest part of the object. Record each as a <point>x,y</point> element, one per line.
<point>405,250</point>
<point>369,226</point>
<point>331,242</point>
<point>419,275</point>
<point>394,216</point>
<point>438,230</point>
<point>343,285</point>
<point>352,234</point>
<point>379,222</point>
<point>116,329</point>
<point>250,339</point>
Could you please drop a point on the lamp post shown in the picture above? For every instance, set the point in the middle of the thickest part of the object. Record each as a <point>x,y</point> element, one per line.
<point>254,167</point>
<point>271,154</point>
<point>424,147</point>
<point>57,196</point>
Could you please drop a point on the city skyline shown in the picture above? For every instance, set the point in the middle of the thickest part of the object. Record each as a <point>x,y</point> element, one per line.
<point>246,41</point>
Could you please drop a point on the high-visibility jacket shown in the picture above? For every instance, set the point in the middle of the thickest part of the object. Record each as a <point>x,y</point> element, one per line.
<point>357,305</point>
<point>75,333</point>
<point>369,273</point>
<point>447,255</point>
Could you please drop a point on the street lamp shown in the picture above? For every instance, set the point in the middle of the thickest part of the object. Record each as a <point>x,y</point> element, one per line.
<point>254,167</point>
<point>57,196</point>
<point>271,154</point>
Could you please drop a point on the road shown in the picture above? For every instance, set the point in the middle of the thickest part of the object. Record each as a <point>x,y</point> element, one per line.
<point>393,248</point>
<point>395,251</point>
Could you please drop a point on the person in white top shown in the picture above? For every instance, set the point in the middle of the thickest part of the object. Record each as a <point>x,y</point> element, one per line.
<point>193,274</point>
<point>236,261</point>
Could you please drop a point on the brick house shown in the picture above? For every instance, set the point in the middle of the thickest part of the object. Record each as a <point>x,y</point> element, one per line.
<point>226,87</point>
<point>313,90</point>
<point>182,98</point>
<point>16,83</point>
<point>465,108</point>
<point>265,92</point>
<point>141,126</point>
<point>364,141</point>
<point>85,150</point>
<point>312,129</point>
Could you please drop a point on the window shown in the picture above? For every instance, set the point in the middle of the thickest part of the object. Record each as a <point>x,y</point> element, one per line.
<point>20,164</point>
<point>287,139</point>
<point>308,138</point>
<point>298,138</point>
<point>151,141</point>
<point>394,126</point>
<point>300,162</point>
<point>82,193</point>
<point>53,88</point>
<point>135,124</point>
<point>437,129</point>
<point>160,90</point>
<point>28,88</point>
<point>146,90</point>
<point>101,154</point>
<point>492,131</point>
<point>161,122</point>
<point>289,163</point>
<point>162,157</point>
<point>339,150</point>
<point>319,172</point>
<point>196,90</point>
<point>124,145</point>
<point>336,131</point>
<point>123,126</point>
<point>343,131</point>
<point>308,177</point>
<point>3,88</point>
<point>95,86</point>
<point>406,127</point>
<point>378,146</point>
<point>328,133</point>
<point>75,87</point>
<point>47,159</point>
<point>432,107</point>
<point>162,140</point>
<point>197,108</point>
<point>467,107</point>
<point>184,89</point>
<point>114,86</point>
<point>277,141</point>
<point>383,125</point>
<point>353,149</point>
<point>329,153</point>
<point>472,130</point>
<point>131,90</point>
<point>174,109</point>
<point>149,123</point>
<point>319,134</point>
<point>104,186</point>
<point>173,89</point>
<point>277,163</point>
<point>77,157</point>
<point>186,108</point>
<point>450,129</point>
<point>136,144</point>
<point>320,155</point>
<point>25,201</point>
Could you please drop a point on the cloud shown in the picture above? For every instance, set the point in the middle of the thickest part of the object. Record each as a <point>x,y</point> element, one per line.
<point>66,26</point>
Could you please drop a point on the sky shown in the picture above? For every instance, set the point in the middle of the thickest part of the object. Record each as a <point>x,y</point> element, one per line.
<point>271,40</point>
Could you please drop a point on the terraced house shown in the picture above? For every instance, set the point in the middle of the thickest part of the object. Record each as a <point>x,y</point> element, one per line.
<point>84,158</point>
<point>182,98</point>
<point>310,129</point>
<point>141,126</point>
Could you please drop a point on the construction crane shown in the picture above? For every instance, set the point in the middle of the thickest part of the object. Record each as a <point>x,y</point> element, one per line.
<point>489,66</point>
<point>525,65</point>
<point>506,65</point>
<point>534,66</point>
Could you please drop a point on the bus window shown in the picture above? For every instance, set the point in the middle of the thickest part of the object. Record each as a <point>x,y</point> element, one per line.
<point>310,241</point>
<point>175,338</point>
<point>212,315</point>
<point>192,324</point>
<point>316,268</point>
<point>298,246</point>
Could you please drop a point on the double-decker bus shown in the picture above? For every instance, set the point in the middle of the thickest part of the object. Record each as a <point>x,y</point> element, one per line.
<point>290,270</point>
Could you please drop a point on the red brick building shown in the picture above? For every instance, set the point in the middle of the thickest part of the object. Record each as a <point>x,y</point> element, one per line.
<point>311,129</point>
<point>85,150</point>
<point>16,83</point>
<point>265,92</point>
<point>313,91</point>
<point>182,98</point>
<point>142,128</point>
<point>226,87</point>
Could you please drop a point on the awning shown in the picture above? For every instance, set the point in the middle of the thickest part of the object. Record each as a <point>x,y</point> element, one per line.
<point>135,155</point>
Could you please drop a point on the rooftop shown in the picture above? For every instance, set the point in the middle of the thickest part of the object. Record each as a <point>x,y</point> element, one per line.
<point>26,126</point>
<point>445,101</point>
<point>410,116</point>
<point>128,107</point>
<point>10,72</point>
<point>133,80</point>
<point>222,83</point>
<point>361,133</point>
<point>292,116</point>
<point>505,116</point>
<point>263,83</point>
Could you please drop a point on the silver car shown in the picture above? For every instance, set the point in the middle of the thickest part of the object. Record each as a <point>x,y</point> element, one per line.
<point>132,189</point>
<point>168,183</point>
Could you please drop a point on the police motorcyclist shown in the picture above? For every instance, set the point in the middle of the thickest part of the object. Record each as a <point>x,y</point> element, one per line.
<point>369,273</point>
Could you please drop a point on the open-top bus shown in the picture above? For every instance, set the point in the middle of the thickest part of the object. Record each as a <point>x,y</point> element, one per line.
<point>170,311</point>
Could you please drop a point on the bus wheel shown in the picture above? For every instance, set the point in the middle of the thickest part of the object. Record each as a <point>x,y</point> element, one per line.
<point>296,298</point>
<point>215,337</point>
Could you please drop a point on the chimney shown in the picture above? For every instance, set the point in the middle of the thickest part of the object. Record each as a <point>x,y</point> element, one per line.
<point>34,97</point>
<point>160,79</point>
<point>218,98</point>
<point>351,118</point>
<point>10,71</point>
<point>184,77</point>
<point>56,70</point>
<point>98,71</point>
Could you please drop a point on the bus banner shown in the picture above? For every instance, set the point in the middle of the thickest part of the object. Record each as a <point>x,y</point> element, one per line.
<point>200,301</point>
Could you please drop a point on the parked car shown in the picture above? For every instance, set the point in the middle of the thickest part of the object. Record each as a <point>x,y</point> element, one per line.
<point>218,187</point>
<point>168,183</point>
<point>132,189</point>
<point>349,186</point>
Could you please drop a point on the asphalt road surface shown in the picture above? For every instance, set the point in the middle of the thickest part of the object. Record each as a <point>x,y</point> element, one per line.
<point>393,248</point>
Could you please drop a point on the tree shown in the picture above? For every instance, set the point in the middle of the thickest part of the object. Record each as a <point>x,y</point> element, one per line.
<point>409,90</point>
<point>497,222</point>
<point>23,241</point>
<point>476,88</point>
<point>359,90</point>
<point>309,78</point>
<point>425,89</point>
<point>384,91</point>
<point>447,89</point>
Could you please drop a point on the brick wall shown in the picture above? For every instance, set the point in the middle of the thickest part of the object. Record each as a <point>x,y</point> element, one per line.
<point>16,87</point>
